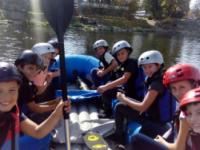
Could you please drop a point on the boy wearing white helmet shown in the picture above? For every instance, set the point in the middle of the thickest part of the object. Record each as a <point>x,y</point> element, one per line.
<point>45,50</point>
<point>45,90</point>
<point>125,75</point>
<point>147,111</point>
<point>107,63</point>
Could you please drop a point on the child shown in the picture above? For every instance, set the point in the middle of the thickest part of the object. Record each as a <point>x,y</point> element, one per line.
<point>43,81</point>
<point>190,106</point>
<point>126,74</point>
<point>45,50</point>
<point>104,73</point>
<point>147,112</point>
<point>11,121</point>
<point>30,65</point>
<point>44,78</point>
<point>179,79</point>
<point>53,63</point>
<point>55,44</point>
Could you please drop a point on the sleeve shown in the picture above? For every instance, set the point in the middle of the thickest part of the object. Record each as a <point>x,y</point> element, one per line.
<point>131,67</point>
<point>157,86</point>
<point>108,57</point>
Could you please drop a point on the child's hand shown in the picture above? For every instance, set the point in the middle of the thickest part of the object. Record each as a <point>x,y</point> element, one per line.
<point>63,104</point>
<point>121,96</point>
<point>67,106</point>
<point>100,73</point>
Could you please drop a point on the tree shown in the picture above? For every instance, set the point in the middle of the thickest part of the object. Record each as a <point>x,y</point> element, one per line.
<point>167,8</point>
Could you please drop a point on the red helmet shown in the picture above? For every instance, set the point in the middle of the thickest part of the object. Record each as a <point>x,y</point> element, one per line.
<point>190,97</point>
<point>180,72</point>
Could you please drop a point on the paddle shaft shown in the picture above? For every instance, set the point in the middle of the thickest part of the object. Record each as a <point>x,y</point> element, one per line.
<point>63,83</point>
<point>59,14</point>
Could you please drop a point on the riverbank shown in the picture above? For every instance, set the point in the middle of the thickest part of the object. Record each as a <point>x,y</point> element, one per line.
<point>119,24</point>
<point>110,24</point>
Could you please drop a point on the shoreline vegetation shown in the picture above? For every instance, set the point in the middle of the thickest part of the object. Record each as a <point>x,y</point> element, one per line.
<point>97,23</point>
<point>122,24</point>
<point>113,16</point>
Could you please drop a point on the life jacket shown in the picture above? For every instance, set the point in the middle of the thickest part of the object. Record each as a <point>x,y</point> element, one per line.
<point>138,81</point>
<point>9,129</point>
<point>103,61</point>
<point>165,104</point>
<point>139,84</point>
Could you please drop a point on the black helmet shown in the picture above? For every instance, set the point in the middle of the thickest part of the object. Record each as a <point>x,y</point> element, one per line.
<point>54,43</point>
<point>29,57</point>
<point>8,72</point>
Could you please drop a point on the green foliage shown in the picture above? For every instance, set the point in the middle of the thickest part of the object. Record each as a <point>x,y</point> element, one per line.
<point>133,6</point>
<point>167,8</point>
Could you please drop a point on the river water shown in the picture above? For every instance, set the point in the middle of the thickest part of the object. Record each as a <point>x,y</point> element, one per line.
<point>175,47</point>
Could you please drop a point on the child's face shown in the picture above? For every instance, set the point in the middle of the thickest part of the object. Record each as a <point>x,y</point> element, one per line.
<point>193,116</point>
<point>8,95</point>
<point>150,69</point>
<point>100,51</point>
<point>122,55</point>
<point>179,88</point>
<point>30,71</point>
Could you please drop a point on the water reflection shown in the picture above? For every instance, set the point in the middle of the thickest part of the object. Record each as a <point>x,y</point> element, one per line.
<point>190,51</point>
<point>175,48</point>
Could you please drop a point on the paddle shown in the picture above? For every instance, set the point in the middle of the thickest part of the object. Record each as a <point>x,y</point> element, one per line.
<point>59,13</point>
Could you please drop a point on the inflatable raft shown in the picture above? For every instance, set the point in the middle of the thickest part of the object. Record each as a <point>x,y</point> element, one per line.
<point>84,111</point>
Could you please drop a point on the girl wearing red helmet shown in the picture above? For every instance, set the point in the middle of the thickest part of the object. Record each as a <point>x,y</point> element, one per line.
<point>179,79</point>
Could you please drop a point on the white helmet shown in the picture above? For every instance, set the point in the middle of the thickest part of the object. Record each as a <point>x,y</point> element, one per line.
<point>100,43</point>
<point>43,48</point>
<point>152,56</point>
<point>120,45</point>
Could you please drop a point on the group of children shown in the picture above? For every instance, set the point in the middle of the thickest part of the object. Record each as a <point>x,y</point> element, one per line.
<point>22,122</point>
<point>27,106</point>
<point>173,85</point>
